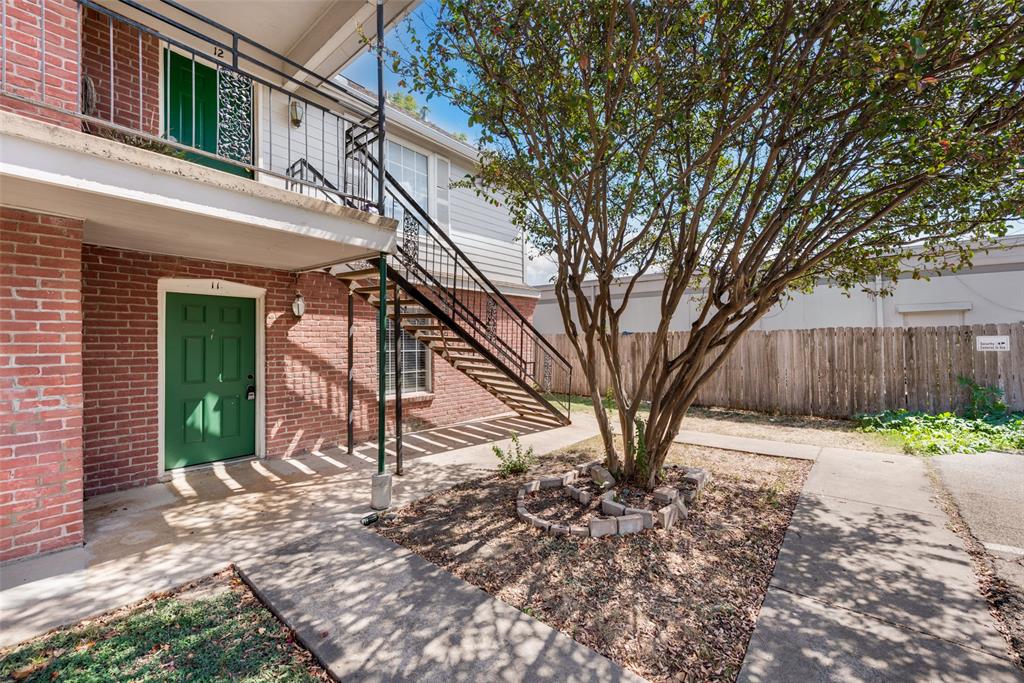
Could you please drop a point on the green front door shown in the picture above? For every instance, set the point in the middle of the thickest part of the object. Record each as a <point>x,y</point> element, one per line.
<point>196,116</point>
<point>210,379</point>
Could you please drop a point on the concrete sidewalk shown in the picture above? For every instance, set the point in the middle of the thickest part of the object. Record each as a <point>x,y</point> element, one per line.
<point>161,536</point>
<point>781,449</point>
<point>870,585</point>
<point>373,611</point>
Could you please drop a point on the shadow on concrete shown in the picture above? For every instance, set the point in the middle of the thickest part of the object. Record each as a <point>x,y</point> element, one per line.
<point>868,592</point>
<point>373,611</point>
<point>156,537</point>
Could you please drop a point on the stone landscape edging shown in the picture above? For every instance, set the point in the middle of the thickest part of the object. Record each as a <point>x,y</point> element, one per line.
<point>617,519</point>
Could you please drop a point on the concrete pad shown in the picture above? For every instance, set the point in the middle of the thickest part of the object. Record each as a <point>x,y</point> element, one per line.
<point>895,481</point>
<point>801,640</point>
<point>741,443</point>
<point>373,611</point>
<point>158,537</point>
<point>900,567</point>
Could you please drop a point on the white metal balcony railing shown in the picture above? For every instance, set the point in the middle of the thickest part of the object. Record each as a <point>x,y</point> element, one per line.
<point>269,111</point>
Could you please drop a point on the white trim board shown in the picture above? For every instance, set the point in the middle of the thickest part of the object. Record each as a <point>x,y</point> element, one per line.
<point>212,287</point>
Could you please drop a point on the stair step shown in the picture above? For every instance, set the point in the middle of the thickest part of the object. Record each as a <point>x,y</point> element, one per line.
<point>357,274</point>
<point>537,412</point>
<point>467,358</point>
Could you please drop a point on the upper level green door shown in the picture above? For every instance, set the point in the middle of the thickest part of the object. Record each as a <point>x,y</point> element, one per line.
<point>210,379</point>
<point>200,115</point>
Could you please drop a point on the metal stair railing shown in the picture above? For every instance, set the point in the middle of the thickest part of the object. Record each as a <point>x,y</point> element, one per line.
<point>428,259</point>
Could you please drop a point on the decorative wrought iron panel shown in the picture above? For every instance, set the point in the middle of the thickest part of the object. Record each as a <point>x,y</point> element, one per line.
<point>410,238</point>
<point>492,318</point>
<point>234,116</point>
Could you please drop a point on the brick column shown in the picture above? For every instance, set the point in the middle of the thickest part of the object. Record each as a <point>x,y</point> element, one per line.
<point>34,29</point>
<point>40,383</point>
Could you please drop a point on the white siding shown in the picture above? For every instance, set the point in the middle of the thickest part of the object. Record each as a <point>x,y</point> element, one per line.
<point>486,233</point>
<point>483,231</point>
<point>282,144</point>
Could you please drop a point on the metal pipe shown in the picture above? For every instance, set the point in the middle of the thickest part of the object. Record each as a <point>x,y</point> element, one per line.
<point>397,345</point>
<point>350,413</point>
<point>382,332</point>
<point>380,107</point>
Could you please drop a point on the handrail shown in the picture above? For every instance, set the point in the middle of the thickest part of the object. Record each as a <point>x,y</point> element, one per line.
<point>324,98</point>
<point>436,229</point>
<point>238,37</point>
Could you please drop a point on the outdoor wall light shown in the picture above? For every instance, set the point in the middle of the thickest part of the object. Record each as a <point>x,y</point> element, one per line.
<point>298,305</point>
<point>295,112</point>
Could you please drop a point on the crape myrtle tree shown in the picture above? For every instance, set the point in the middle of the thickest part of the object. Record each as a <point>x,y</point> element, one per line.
<point>744,150</point>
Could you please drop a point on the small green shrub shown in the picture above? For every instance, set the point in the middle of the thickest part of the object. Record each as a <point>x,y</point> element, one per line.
<point>948,433</point>
<point>982,401</point>
<point>516,460</point>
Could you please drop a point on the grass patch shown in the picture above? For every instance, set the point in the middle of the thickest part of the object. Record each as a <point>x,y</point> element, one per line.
<point>214,629</point>
<point>926,434</point>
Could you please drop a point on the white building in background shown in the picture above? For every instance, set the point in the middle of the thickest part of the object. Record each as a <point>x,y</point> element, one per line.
<point>990,292</point>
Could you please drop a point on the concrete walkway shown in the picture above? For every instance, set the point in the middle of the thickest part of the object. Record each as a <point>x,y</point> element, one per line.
<point>160,536</point>
<point>374,611</point>
<point>870,585</point>
<point>779,449</point>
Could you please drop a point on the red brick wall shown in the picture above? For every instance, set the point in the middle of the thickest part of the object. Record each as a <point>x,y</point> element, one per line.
<point>305,369</point>
<point>23,67</point>
<point>131,47</point>
<point>40,383</point>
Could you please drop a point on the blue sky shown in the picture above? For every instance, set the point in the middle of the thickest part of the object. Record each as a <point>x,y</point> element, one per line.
<point>364,71</point>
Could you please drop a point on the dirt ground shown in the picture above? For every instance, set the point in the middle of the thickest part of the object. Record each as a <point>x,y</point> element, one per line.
<point>677,604</point>
<point>815,431</point>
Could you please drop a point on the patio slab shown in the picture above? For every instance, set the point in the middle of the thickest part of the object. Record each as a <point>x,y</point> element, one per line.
<point>158,537</point>
<point>371,610</point>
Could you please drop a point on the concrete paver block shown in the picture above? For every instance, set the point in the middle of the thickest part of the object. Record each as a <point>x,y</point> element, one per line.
<point>576,530</point>
<point>663,495</point>
<point>667,516</point>
<point>552,482</point>
<point>558,530</point>
<point>610,507</point>
<point>603,526</point>
<point>629,524</point>
<point>601,476</point>
<point>585,497</point>
<point>646,515</point>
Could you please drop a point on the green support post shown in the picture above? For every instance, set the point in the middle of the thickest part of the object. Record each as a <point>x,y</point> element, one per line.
<point>382,335</point>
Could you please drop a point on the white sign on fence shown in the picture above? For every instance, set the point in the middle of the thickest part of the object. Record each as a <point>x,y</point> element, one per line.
<point>992,343</point>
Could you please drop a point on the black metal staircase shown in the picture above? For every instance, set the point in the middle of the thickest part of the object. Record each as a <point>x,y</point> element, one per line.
<point>449,305</point>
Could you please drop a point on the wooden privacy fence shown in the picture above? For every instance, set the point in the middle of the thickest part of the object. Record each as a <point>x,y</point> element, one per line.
<point>837,372</point>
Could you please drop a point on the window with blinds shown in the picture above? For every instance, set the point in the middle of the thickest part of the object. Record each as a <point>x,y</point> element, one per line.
<point>415,360</point>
